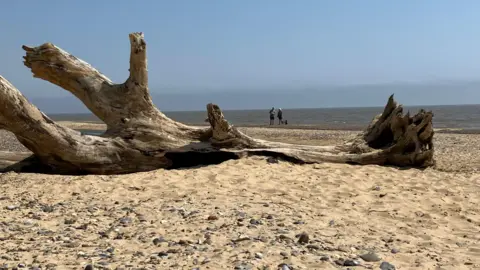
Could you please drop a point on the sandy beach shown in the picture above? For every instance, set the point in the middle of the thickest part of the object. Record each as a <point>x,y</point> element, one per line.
<point>250,213</point>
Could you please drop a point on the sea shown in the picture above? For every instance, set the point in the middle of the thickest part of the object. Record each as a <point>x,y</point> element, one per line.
<point>465,117</point>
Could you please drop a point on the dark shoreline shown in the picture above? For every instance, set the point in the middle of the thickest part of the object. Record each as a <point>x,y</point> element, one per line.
<point>311,127</point>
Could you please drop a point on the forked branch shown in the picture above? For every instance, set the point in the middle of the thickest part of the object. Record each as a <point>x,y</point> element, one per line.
<point>139,137</point>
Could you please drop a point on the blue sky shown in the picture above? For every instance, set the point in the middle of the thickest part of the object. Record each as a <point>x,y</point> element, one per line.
<point>213,45</point>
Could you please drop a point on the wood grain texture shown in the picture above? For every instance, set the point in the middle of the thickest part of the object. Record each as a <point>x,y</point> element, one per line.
<point>139,137</point>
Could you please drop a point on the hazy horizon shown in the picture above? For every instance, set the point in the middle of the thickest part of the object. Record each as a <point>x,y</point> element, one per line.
<point>456,93</point>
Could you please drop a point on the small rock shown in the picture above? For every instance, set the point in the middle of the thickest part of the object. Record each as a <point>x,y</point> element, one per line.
<point>28,222</point>
<point>126,220</point>
<point>314,247</point>
<point>242,214</point>
<point>387,266</point>
<point>162,254</point>
<point>299,222</point>
<point>21,265</point>
<point>325,258</point>
<point>173,251</point>
<point>351,263</point>
<point>295,253</point>
<point>158,240</point>
<point>284,266</point>
<point>5,257</point>
<point>11,207</point>
<point>303,238</point>
<point>110,249</point>
<point>48,208</point>
<point>395,250</point>
<point>284,254</point>
<point>212,217</point>
<point>331,223</point>
<point>255,221</point>
<point>88,267</point>
<point>81,254</point>
<point>259,255</point>
<point>184,242</point>
<point>241,239</point>
<point>69,221</point>
<point>243,267</point>
<point>272,160</point>
<point>370,257</point>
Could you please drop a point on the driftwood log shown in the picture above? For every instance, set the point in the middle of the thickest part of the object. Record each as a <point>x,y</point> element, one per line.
<point>140,138</point>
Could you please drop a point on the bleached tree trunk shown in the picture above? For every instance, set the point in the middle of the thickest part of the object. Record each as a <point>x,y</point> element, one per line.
<point>139,137</point>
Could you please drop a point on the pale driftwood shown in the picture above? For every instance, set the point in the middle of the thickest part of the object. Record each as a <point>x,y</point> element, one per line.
<point>140,138</point>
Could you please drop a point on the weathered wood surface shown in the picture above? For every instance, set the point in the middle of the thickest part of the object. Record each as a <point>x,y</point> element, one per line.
<point>139,137</point>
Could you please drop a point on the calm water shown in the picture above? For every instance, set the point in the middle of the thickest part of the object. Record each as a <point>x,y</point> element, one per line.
<point>461,116</point>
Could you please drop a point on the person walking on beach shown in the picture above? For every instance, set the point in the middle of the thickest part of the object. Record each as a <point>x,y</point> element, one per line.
<point>280,116</point>
<point>272,116</point>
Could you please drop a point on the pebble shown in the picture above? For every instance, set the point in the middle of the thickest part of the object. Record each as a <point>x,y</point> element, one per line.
<point>284,254</point>
<point>303,238</point>
<point>243,267</point>
<point>126,220</point>
<point>28,222</point>
<point>259,255</point>
<point>242,214</point>
<point>212,217</point>
<point>314,247</point>
<point>69,221</point>
<point>255,222</point>
<point>387,266</point>
<point>272,160</point>
<point>242,238</point>
<point>48,208</point>
<point>284,266</point>
<point>162,254</point>
<point>325,258</point>
<point>88,267</point>
<point>370,257</point>
<point>351,263</point>
<point>11,207</point>
<point>395,250</point>
<point>21,265</point>
<point>158,240</point>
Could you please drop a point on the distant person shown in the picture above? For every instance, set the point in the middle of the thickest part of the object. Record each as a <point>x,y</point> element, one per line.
<point>280,116</point>
<point>272,116</point>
